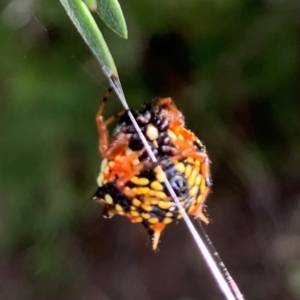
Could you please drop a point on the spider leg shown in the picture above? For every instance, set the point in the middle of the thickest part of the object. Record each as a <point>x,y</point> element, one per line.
<point>203,159</point>
<point>198,210</point>
<point>201,156</point>
<point>103,101</point>
<point>119,144</point>
<point>126,170</point>
<point>171,112</point>
<point>104,144</point>
<point>114,117</point>
<point>169,104</point>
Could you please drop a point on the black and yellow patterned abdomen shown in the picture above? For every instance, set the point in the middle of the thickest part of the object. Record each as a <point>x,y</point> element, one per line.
<point>131,184</point>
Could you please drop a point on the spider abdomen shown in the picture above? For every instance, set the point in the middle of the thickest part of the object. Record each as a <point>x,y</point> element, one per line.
<point>131,184</point>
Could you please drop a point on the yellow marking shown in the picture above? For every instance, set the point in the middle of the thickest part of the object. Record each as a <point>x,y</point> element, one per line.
<point>155,185</point>
<point>128,191</point>
<point>193,203</point>
<point>194,191</point>
<point>181,137</point>
<point>198,180</point>
<point>169,214</point>
<point>137,220</point>
<point>100,179</point>
<point>164,205</point>
<point>143,181</point>
<point>152,193</point>
<point>180,167</point>
<point>188,171</point>
<point>192,207</point>
<point>155,144</point>
<point>171,135</point>
<point>111,164</point>
<point>141,190</point>
<point>190,160</point>
<point>160,195</point>
<point>179,216</point>
<point>146,207</point>
<point>153,220</point>
<point>132,207</point>
<point>197,163</point>
<point>203,184</point>
<point>136,202</point>
<point>135,162</point>
<point>119,208</point>
<point>192,179</point>
<point>108,199</point>
<point>103,165</point>
<point>139,181</point>
<point>151,200</point>
<point>128,151</point>
<point>200,199</point>
<point>145,215</point>
<point>160,176</point>
<point>134,213</point>
<point>167,220</point>
<point>151,132</point>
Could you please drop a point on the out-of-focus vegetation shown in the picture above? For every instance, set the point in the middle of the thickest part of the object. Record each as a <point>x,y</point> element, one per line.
<point>232,66</point>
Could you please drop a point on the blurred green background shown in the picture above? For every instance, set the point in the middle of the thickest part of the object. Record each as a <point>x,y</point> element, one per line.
<point>232,67</point>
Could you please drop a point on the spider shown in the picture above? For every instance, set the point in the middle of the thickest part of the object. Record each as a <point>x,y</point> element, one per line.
<point>130,184</point>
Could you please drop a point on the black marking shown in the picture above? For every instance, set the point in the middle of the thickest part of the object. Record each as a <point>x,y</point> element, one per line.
<point>156,212</point>
<point>117,196</point>
<point>177,181</point>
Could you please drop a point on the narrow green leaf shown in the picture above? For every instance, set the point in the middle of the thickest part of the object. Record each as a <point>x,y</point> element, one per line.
<point>91,4</point>
<point>88,29</point>
<point>111,13</point>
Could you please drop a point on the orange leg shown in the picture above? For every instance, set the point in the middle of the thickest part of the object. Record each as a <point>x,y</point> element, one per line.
<point>201,156</point>
<point>204,160</point>
<point>198,210</point>
<point>170,112</point>
<point>168,104</point>
<point>106,149</point>
<point>125,170</point>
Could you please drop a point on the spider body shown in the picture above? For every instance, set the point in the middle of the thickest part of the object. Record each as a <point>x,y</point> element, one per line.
<point>130,184</point>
